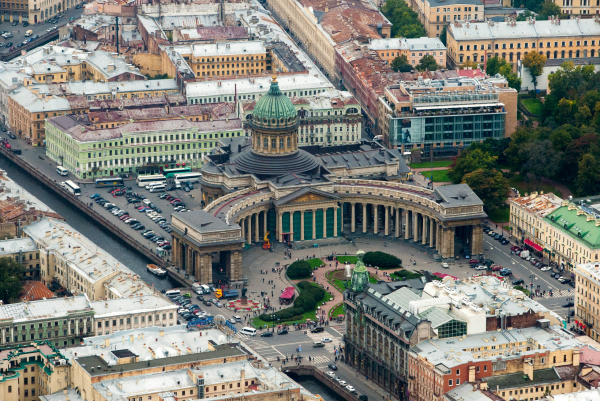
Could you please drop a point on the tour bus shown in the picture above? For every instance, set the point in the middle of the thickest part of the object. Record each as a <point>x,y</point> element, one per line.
<point>62,171</point>
<point>145,180</point>
<point>109,182</point>
<point>72,188</point>
<point>170,172</point>
<point>191,177</point>
<point>158,188</point>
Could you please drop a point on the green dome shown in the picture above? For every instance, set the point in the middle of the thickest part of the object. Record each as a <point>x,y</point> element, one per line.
<point>274,110</point>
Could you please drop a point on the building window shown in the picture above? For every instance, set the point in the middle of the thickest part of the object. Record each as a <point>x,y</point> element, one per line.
<point>450,382</point>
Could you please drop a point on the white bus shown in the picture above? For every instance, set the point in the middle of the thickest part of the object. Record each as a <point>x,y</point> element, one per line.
<point>62,171</point>
<point>72,188</point>
<point>145,180</point>
<point>158,188</point>
<point>191,177</point>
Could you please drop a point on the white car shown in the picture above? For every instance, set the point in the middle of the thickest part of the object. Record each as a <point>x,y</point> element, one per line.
<point>330,374</point>
<point>445,265</point>
<point>545,269</point>
<point>350,388</point>
<point>481,267</point>
<point>326,340</point>
<point>343,383</point>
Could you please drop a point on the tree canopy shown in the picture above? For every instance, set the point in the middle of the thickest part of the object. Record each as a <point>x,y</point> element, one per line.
<point>405,22</point>
<point>11,274</point>
<point>400,64</point>
<point>469,161</point>
<point>534,62</point>
<point>427,63</point>
<point>490,186</point>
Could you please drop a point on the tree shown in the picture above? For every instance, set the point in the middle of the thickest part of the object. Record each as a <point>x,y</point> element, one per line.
<point>469,161</point>
<point>443,36</point>
<point>490,186</point>
<point>518,139</point>
<point>560,139</point>
<point>469,63</point>
<point>382,260</point>
<point>548,9</point>
<point>535,63</point>
<point>542,161</point>
<point>405,22</point>
<point>524,15</point>
<point>494,64</point>
<point>427,63</point>
<point>587,177</point>
<point>513,79</point>
<point>400,64</point>
<point>299,269</point>
<point>11,274</point>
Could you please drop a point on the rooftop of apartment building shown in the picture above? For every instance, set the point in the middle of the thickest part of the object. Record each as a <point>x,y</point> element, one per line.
<point>83,256</point>
<point>287,57</point>
<point>130,37</point>
<point>11,76</point>
<point>38,103</point>
<point>491,346</point>
<point>215,111</point>
<point>137,102</point>
<point>540,377</point>
<point>417,44</point>
<point>585,395</point>
<point>539,204</point>
<point>35,291</point>
<point>125,285</point>
<point>78,128</point>
<point>221,49</point>
<point>468,392</point>
<point>255,85</point>
<point>44,309</point>
<point>111,65</point>
<point>70,393</point>
<point>328,100</point>
<point>16,200</point>
<point>42,53</point>
<point>152,346</point>
<point>530,29</point>
<point>580,222</point>
<point>94,21</point>
<point>444,3</point>
<point>89,88</point>
<point>117,307</point>
<point>210,33</point>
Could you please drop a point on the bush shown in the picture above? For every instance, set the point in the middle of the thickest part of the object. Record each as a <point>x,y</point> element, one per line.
<point>382,260</point>
<point>299,269</point>
<point>284,314</point>
<point>310,295</point>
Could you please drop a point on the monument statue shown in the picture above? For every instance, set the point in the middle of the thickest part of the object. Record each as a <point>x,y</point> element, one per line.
<point>360,275</point>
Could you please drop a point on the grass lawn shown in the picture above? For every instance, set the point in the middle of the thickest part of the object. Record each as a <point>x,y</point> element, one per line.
<point>315,262</point>
<point>405,275</point>
<point>438,175</point>
<point>347,259</point>
<point>372,279</point>
<point>500,215</point>
<point>338,310</point>
<point>533,105</point>
<point>518,181</point>
<point>443,163</point>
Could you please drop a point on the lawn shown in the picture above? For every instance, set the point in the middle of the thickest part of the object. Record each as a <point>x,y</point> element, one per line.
<point>347,259</point>
<point>338,310</point>
<point>499,215</point>
<point>372,279</point>
<point>438,175</point>
<point>315,262</point>
<point>443,163</point>
<point>533,105</point>
<point>405,275</point>
<point>518,181</point>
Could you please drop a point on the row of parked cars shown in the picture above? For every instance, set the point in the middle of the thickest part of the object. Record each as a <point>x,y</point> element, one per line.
<point>187,310</point>
<point>498,237</point>
<point>342,382</point>
<point>177,203</point>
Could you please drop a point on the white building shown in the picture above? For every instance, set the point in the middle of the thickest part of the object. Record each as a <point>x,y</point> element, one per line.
<point>551,67</point>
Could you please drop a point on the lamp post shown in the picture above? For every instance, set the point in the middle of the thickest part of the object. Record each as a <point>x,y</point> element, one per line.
<point>532,277</point>
<point>569,300</point>
<point>273,320</point>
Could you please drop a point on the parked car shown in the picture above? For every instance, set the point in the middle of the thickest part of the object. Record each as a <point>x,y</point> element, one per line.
<point>518,281</point>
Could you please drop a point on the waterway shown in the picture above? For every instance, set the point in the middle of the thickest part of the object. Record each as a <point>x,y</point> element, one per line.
<point>316,387</point>
<point>86,226</point>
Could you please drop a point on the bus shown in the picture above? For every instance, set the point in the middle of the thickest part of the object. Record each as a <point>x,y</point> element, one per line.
<point>72,188</point>
<point>170,172</point>
<point>145,180</point>
<point>191,177</point>
<point>109,182</point>
<point>158,188</point>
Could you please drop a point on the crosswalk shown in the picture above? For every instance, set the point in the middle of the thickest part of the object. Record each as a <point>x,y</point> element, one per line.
<point>559,293</point>
<point>317,360</point>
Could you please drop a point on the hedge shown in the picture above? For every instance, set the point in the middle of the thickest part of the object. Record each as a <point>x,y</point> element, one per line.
<point>382,260</point>
<point>310,295</point>
<point>299,269</point>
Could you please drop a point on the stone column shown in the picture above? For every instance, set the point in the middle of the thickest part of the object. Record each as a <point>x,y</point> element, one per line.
<point>249,237</point>
<point>341,216</point>
<point>431,232</point>
<point>243,226</point>
<point>188,260</point>
<point>335,220</point>
<point>256,228</point>
<point>438,238</point>
<point>448,242</point>
<point>415,227</point>
<point>387,220</point>
<point>406,223</point>
<point>324,222</point>
<point>314,227</point>
<point>353,218</point>
<point>265,221</point>
<point>235,265</point>
<point>364,218</point>
<point>206,263</point>
<point>477,240</point>
<point>280,226</point>
<point>398,221</point>
<point>425,226</point>
<point>302,225</point>
<point>197,262</point>
<point>175,258</point>
<point>375,219</point>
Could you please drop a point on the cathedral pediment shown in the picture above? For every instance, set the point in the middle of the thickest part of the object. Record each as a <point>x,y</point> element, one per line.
<point>306,195</point>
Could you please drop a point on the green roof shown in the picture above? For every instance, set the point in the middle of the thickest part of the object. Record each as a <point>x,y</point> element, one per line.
<point>517,380</point>
<point>575,226</point>
<point>274,109</point>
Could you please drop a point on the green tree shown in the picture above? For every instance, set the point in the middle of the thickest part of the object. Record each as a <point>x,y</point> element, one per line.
<point>405,22</point>
<point>513,79</point>
<point>541,160</point>
<point>469,161</point>
<point>524,15</point>
<point>588,182</point>
<point>535,63</point>
<point>583,115</point>
<point>427,63</point>
<point>490,186</point>
<point>548,9</point>
<point>299,269</point>
<point>443,35</point>
<point>518,139</point>
<point>11,274</point>
<point>469,64</point>
<point>560,139</point>
<point>400,64</point>
<point>494,64</point>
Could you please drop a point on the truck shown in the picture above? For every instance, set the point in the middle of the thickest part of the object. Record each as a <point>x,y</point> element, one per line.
<point>525,254</point>
<point>231,294</point>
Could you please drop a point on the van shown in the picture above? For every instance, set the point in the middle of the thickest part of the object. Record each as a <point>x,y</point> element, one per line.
<point>318,344</point>
<point>158,188</point>
<point>173,293</point>
<point>62,171</point>
<point>177,184</point>
<point>205,288</point>
<point>29,33</point>
<point>249,331</point>
<point>238,319</point>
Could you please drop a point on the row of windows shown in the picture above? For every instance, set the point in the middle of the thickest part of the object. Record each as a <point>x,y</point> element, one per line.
<point>135,320</point>
<point>447,9</point>
<point>526,45</point>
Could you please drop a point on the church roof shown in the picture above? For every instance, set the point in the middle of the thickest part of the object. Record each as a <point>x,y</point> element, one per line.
<point>274,110</point>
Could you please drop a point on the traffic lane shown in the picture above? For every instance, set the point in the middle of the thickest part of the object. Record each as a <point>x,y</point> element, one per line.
<point>353,378</point>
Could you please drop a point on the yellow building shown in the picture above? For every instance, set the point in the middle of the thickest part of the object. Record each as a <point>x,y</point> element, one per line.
<point>512,40</point>
<point>587,290</point>
<point>23,251</point>
<point>414,49</point>
<point>435,14</point>
<point>578,7</point>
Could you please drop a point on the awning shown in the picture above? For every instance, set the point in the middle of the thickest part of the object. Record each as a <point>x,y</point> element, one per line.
<point>533,245</point>
<point>288,293</point>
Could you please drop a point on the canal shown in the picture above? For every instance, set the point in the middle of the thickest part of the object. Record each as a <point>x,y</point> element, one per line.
<point>316,387</point>
<point>86,226</point>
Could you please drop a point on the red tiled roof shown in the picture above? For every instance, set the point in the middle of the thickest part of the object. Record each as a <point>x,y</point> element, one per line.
<point>477,73</point>
<point>35,290</point>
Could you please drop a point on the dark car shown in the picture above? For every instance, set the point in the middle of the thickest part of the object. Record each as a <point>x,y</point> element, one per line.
<point>15,23</point>
<point>317,330</point>
<point>504,242</point>
<point>518,281</point>
<point>207,303</point>
<point>282,331</point>
<point>25,24</point>
<point>363,398</point>
<point>332,366</point>
<point>9,44</point>
<point>11,135</point>
<point>569,304</point>
<point>267,334</point>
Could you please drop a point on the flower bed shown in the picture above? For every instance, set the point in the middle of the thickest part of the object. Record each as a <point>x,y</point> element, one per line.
<point>236,305</point>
